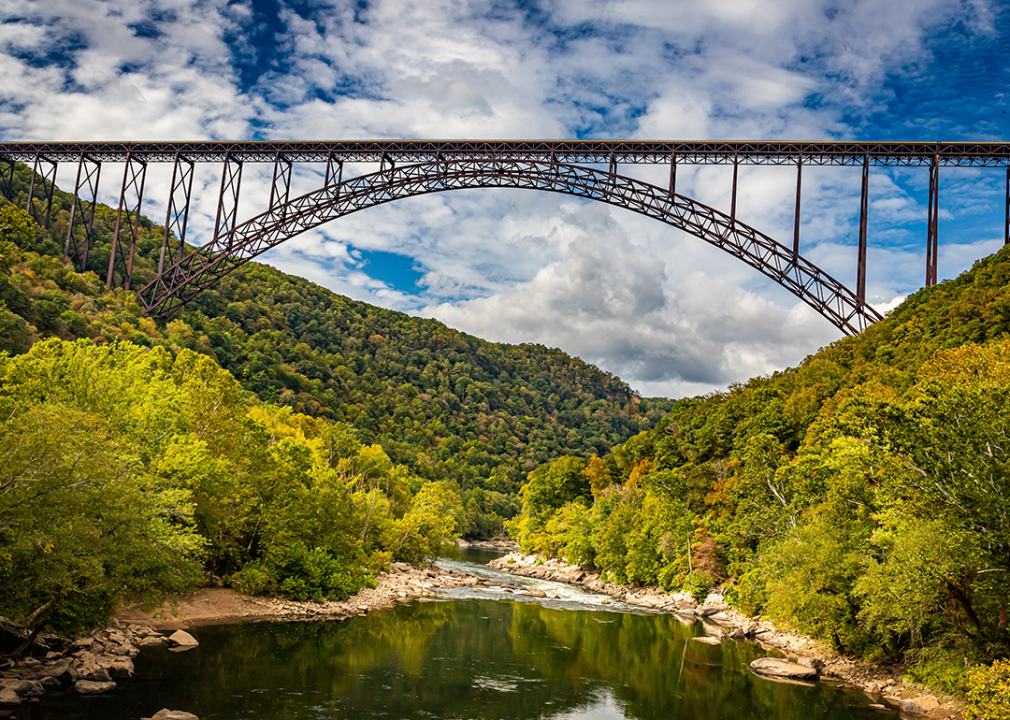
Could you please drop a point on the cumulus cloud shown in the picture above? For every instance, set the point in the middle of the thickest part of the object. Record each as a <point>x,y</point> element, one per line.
<point>667,312</point>
<point>613,304</point>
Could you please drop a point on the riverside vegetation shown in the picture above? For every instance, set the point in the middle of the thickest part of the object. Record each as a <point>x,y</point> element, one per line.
<point>861,496</point>
<point>275,436</point>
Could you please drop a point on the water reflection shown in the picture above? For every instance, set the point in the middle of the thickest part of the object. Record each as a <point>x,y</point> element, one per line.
<point>460,659</point>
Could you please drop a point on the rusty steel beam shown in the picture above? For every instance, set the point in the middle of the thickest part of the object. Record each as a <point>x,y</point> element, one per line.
<point>1006,217</point>
<point>861,253</point>
<point>128,217</point>
<point>88,173</point>
<point>173,242</point>
<point>673,173</point>
<point>204,266</point>
<point>722,152</point>
<point>47,187</point>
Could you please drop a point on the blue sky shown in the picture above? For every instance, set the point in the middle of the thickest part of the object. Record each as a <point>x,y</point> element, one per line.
<point>663,310</point>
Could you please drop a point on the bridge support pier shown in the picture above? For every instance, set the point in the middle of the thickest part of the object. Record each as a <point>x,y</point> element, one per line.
<point>121,258</point>
<point>331,177</point>
<point>732,201</point>
<point>864,200</point>
<point>177,218</point>
<point>88,172</point>
<point>932,240</point>
<point>8,182</point>
<point>1006,215</point>
<point>227,202</point>
<point>281,187</point>
<point>796,218</point>
<point>48,179</point>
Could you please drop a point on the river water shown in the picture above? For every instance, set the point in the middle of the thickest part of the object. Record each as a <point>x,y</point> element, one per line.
<point>472,653</point>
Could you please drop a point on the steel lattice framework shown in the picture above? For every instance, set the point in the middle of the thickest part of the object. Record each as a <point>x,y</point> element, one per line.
<point>415,167</point>
<point>201,268</point>
<point>579,152</point>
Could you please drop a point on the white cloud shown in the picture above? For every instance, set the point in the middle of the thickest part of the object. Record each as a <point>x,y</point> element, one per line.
<point>666,311</point>
<point>612,303</point>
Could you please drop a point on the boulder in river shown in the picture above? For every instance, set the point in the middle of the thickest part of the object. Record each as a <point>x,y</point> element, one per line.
<point>9,698</point>
<point>779,668</point>
<point>93,687</point>
<point>167,714</point>
<point>181,638</point>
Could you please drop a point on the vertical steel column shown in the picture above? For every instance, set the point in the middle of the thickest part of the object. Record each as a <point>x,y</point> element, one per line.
<point>88,172</point>
<point>281,187</point>
<point>177,219</point>
<point>796,219</point>
<point>931,236</point>
<point>863,209</point>
<point>50,175</point>
<point>673,173</point>
<point>1006,217</point>
<point>133,184</point>
<point>227,202</point>
<point>732,202</point>
<point>8,189</point>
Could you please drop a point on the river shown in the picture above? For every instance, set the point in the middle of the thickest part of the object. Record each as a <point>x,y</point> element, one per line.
<point>472,653</point>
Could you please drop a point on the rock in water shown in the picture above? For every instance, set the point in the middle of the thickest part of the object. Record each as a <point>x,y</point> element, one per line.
<point>167,714</point>
<point>181,638</point>
<point>93,687</point>
<point>9,698</point>
<point>778,668</point>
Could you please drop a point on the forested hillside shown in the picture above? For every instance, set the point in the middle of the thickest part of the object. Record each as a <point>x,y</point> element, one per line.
<point>447,405</point>
<point>863,496</point>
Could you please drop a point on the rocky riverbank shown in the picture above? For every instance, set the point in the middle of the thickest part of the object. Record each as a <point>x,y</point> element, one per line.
<point>100,661</point>
<point>884,686</point>
<point>503,545</point>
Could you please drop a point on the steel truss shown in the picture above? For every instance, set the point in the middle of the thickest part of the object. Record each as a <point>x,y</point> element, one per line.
<point>76,250</point>
<point>593,158</point>
<point>201,268</point>
<point>121,254</point>
<point>47,178</point>
<point>7,179</point>
<point>173,243</point>
<point>580,152</point>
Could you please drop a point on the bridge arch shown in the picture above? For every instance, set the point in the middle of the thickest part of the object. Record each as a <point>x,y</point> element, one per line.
<point>178,284</point>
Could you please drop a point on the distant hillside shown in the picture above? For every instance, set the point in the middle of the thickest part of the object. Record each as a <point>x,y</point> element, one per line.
<point>446,404</point>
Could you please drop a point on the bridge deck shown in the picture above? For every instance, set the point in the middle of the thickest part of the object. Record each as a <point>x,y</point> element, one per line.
<point>762,152</point>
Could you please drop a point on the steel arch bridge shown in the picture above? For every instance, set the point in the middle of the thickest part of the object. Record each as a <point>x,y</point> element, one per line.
<point>409,168</point>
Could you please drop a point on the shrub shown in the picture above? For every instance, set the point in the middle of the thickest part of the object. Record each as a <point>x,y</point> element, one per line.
<point>939,669</point>
<point>989,692</point>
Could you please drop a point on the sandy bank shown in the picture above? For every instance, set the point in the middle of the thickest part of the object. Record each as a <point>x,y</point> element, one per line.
<point>218,606</point>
